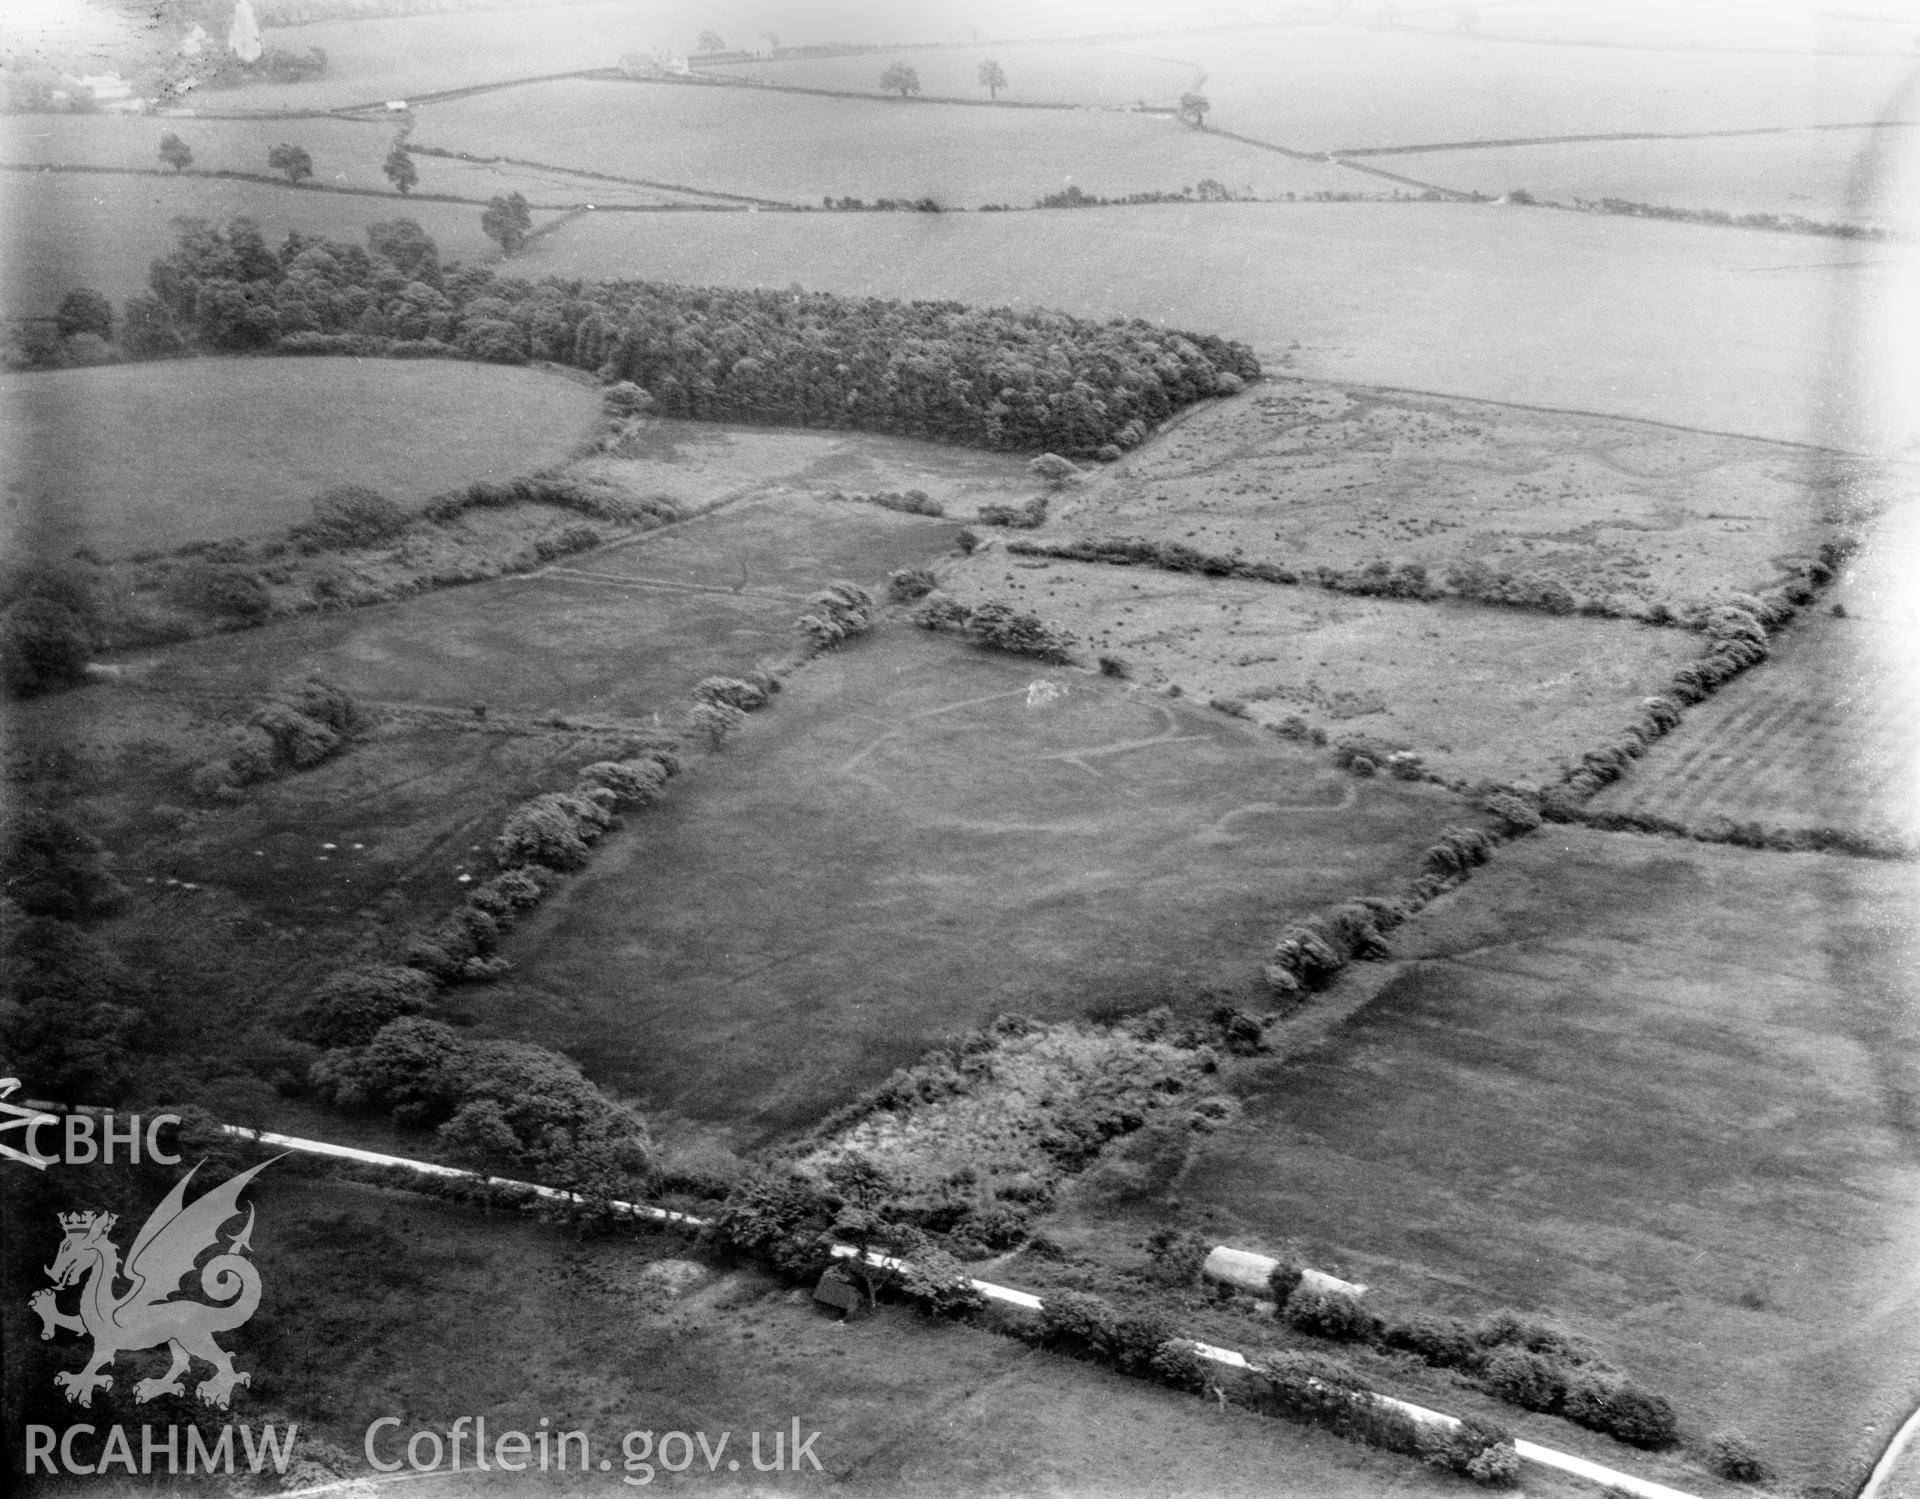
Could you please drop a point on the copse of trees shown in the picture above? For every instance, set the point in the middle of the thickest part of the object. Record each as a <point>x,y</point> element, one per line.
<point>1004,378</point>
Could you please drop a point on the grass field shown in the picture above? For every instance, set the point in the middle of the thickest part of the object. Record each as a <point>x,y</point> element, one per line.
<point>1095,74</point>
<point>1837,176</point>
<point>346,153</point>
<point>1309,475</point>
<point>1431,677</point>
<point>59,230</point>
<point>116,457</point>
<point>1663,1090</point>
<point>1704,25</point>
<point>1340,87</point>
<point>1740,332</point>
<point>913,840</point>
<point>798,149</point>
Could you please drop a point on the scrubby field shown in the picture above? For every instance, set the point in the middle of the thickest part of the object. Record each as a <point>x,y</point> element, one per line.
<point>1351,87</point>
<point>1429,677</point>
<point>59,230</point>
<point>1673,322</point>
<point>1309,475</point>
<point>796,148</point>
<point>117,457</point>
<point>622,633</point>
<point>916,838</point>
<point>1834,176</point>
<point>1662,1089</point>
<point>346,153</point>
<point>1095,74</point>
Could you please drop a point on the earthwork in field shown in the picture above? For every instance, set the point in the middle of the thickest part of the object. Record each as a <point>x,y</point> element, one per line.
<point>919,837</point>
<point>1312,824</point>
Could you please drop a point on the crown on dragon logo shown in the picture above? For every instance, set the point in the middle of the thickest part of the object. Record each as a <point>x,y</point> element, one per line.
<point>78,1222</point>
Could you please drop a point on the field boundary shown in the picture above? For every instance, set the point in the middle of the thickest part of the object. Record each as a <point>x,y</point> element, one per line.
<point>260,179</point>
<point>444,154</point>
<point>1618,135</point>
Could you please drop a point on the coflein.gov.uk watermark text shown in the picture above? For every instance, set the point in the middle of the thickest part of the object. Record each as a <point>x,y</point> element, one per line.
<point>466,1446</point>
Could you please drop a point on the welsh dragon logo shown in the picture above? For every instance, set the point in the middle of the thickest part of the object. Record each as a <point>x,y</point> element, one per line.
<point>145,1315</point>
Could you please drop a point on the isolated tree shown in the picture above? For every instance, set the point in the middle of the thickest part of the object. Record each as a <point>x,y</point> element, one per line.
<point>293,160</point>
<point>900,79</point>
<point>710,42</point>
<point>400,170</point>
<point>175,152</point>
<point>772,39</point>
<point>993,77</point>
<point>508,221</point>
<point>84,310</point>
<point>1193,109</point>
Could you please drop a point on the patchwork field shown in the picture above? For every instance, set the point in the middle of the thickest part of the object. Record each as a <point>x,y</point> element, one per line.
<point>1309,475</point>
<point>1349,87</point>
<point>916,838</point>
<point>1662,1090</point>
<point>346,153</point>
<point>1096,74</point>
<point>1835,176</point>
<point>1738,332</point>
<point>796,148</point>
<point>117,456</point>
<point>59,230</point>
<point>1429,677</point>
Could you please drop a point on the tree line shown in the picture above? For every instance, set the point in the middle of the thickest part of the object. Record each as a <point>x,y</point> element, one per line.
<point>1003,378</point>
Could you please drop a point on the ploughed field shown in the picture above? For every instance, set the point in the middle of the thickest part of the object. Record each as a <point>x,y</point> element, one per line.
<point>914,838</point>
<point>1821,735</point>
<point>1662,1090</point>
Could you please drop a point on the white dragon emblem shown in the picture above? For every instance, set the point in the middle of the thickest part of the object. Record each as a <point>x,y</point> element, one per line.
<point>145,1315</point>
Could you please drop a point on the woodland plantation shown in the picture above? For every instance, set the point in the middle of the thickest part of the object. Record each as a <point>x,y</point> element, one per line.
<point>988,377</point>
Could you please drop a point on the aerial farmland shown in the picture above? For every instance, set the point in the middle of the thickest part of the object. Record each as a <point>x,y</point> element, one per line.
<point>1075,749</point>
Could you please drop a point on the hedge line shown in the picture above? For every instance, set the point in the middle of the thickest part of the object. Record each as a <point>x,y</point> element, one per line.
<point>1523,1362</point>
<point>997,626</point>
<point>1472,580</point>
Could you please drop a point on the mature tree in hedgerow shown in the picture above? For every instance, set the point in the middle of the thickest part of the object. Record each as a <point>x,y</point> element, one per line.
<point>84,310</point>
<point>508,221</point>
<point>710,42</point>
<point>900,79</point>
<point>400,170</point>
<point>175,152</point>
<point>291,159</point>
<point>993,77</point>
<point>1193,109</point>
